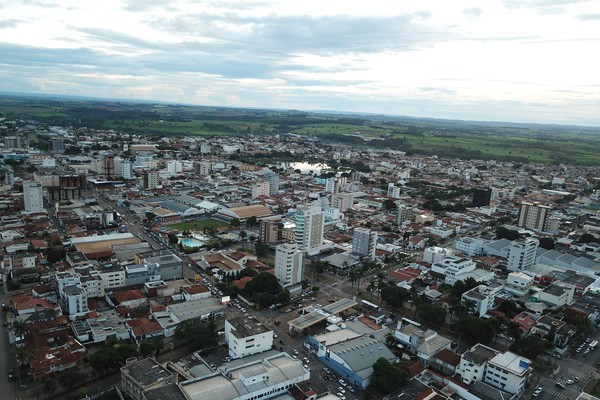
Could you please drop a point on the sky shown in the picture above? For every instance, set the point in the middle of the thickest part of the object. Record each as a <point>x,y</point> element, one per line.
<point>492,60</point>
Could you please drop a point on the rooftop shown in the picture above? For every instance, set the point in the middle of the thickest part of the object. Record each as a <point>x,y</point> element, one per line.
<point>247,325</point>
<point>147,371</point>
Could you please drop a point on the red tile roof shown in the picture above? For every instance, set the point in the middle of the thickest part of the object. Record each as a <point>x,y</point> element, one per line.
<point>129,295</point>
<point>196,289</point>
<point>241,283</point>
<point>448,356</point>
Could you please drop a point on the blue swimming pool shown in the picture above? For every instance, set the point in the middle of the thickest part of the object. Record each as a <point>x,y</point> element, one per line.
<point>187,242</point>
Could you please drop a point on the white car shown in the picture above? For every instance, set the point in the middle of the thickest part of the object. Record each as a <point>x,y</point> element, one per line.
<point>341,390</point>
<point>341,396</point>
<point>342,382</point>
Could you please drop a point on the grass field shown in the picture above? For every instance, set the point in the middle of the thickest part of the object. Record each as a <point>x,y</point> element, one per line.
<point>197,226</point>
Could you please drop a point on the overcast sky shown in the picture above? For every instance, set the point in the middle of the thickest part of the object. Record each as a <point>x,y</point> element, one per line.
<point>511,60</point>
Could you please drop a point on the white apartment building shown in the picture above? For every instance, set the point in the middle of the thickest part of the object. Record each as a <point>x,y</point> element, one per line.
<point>273,179</point>
<point>174,167</point>
<point>289,265</point>
<point>74,299</point>
<point>245,336</point>
<point>481,298</point>
<point>33,198</point>
<point>522,254</point>
<point>393,191</point>
<point>473,363</point>
<point>261,189</point>
<point>518,282</point>
<point>469,246</point>
<point>457,269</point>
<point>151,180</point>
<point>509,372</point>
<point>557,295</point>
<point>435,254</point>
<point>364,242</point>
<point>309,227</point>
<point>332,185</point>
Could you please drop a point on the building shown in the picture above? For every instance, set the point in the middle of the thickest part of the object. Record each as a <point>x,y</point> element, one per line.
<point>557,295</point>
<point>268,378</point>
<point>107,167</point>
<point>480,299</point>
<point>16,142</point>
<point>9,175</point>
<point>174,167</point>
<point>74,299</point>
<point>522,254</point>
<point>364,242</point>
<point>393,191</point>
<point>260,189</point>
<point>310,222</point>
<point>289,265</point>
<point>151,180</point>
<point>269,231</point>
<point>518,283</point>
<point>273,179</point>
<point>57,145</point>
<point>140,376</point>
<point>457,269</point>
<point>405,215</point>
<point>435,254</point>
<point>481,197</point>
<point>470,246</point>
<point>245,336</point>
<point>534,216</point>
<point>342,201</point>
<point>509,372</point>
<point>202,168</point>
<point>473,363</point>
<point>33,198</point>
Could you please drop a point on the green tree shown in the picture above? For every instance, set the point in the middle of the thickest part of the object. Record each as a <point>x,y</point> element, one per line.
<point>432,313</point>
<point>476,330</point>
<point>235,222</point>
<point>105,360</point>
<point>49,386</point>
<point>394,295</point>
<point>387,376</point>
<point>70,378</point>
<point>531,346</point>
<point>547,243</point>
<point>251,222</point>
<point>147,348</point>
<point>173,239</point>
<point>150,216</point>
<point>588,238</point>
<point>202,334</point>
<point>389,205</point>
<point>262,249</point>
<point>503,233</point>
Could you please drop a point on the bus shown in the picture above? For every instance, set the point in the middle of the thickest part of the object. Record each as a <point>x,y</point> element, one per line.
<point>370,305</point>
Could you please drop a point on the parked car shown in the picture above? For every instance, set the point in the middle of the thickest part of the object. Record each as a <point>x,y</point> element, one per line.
<point>559,385</point>
<point>11,374</point>
<point>342,382</point>
<point>570,381</point>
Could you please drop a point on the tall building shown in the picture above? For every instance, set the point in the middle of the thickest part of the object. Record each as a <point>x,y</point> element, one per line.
<point>202,168</point>
<point>9,175</point>
<point>289,265</point>
<point>268,231</point>
<point>309,227</point>
<point>342,201</point>
<point>57,145</point>
<point>32,197</point>
<point>174,167</point>
<point>150,180</point>
<point>127,169</point>
<point>273,179</point>
<point>260,189</point>
<point>405,214</point>
<point>364,242</point>
<point>393,191</point>
<point>482,197</point>
<point>107,167</point>
<point>533,216</point>
<point>522,253</point>
<point>16,142</point>
<point>332,185</point>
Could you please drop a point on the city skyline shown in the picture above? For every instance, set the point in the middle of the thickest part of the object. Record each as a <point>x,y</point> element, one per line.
<point>515,61</point>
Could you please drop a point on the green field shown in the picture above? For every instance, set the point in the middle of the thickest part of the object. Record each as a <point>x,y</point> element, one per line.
<point>197,226</point>
<point>445,138</point>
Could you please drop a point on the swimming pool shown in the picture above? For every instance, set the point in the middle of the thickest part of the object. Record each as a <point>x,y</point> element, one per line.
<point>187,242</point>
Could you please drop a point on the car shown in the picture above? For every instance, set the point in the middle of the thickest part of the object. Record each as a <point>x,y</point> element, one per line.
<point>537,393</point>
<point>295,357</point>
<point>342,382</point>
<point>570,381</point>
<point>341,396</point>
<point>295,352</point>
<point>11,373</point>
<point>350,388</point>
<point>559,385</point>
<point>306,367</point>
<point>275,335</point>
<point>341,390</point>
<point>326,370</point>
<point>575,379</point>
<point>587,340</point>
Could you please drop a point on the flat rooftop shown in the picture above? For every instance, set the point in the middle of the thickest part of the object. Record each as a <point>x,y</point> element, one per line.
<point>247,325</point>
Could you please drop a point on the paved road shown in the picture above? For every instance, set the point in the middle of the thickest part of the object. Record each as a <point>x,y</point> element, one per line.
<point>6,387</point>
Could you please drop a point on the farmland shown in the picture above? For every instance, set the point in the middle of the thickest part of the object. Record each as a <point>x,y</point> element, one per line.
<point>445,138</point>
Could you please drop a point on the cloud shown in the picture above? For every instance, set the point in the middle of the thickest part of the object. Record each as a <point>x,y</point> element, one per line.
<point>473,11</point>
<point>588,17</point>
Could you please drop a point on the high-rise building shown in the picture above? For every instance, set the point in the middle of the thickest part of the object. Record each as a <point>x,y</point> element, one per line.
<point>331,185</point>
<point>522,253</point>
<point>16,142</point>
<point>127,169</point>
<point>309,227</point>
<point>289,266</point>
<point>405,214</point>
<point>32,197</point>
<point>268,231</point>
<point>533,216</point>
<point>57,145</point>
<point>342,201</point>
<point>364,242</point>
<point>273,179</point>
<point>202,168</point>
<point>151,180</point>
<point>107,167</point>
<point>9,175</point>
<point>174,167</point>
<point>393,191</point>
<point>481,197</point>
<point>260,189</point>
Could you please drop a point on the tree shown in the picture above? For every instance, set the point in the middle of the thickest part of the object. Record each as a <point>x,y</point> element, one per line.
<point>202,334</point>
<point>235,222</point>
<point>476,330</point>
<point>261,249</point>
<point>251,222</point>
<point>394,295</point>
<point>173,239</point>
<point>387,377</point>
<point>547,243</point>
<point>243,235</point>
<point>588,238</point>
<point>49,386</point>
<point>503,233</point>
<point>389,205</point>
<point>146,348</point>
<point>390,340</point>
<point>150,216</point>
<point>460,287</point>
<point>432,313</point>
<point>70,378</point>
<point>531,346</point>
